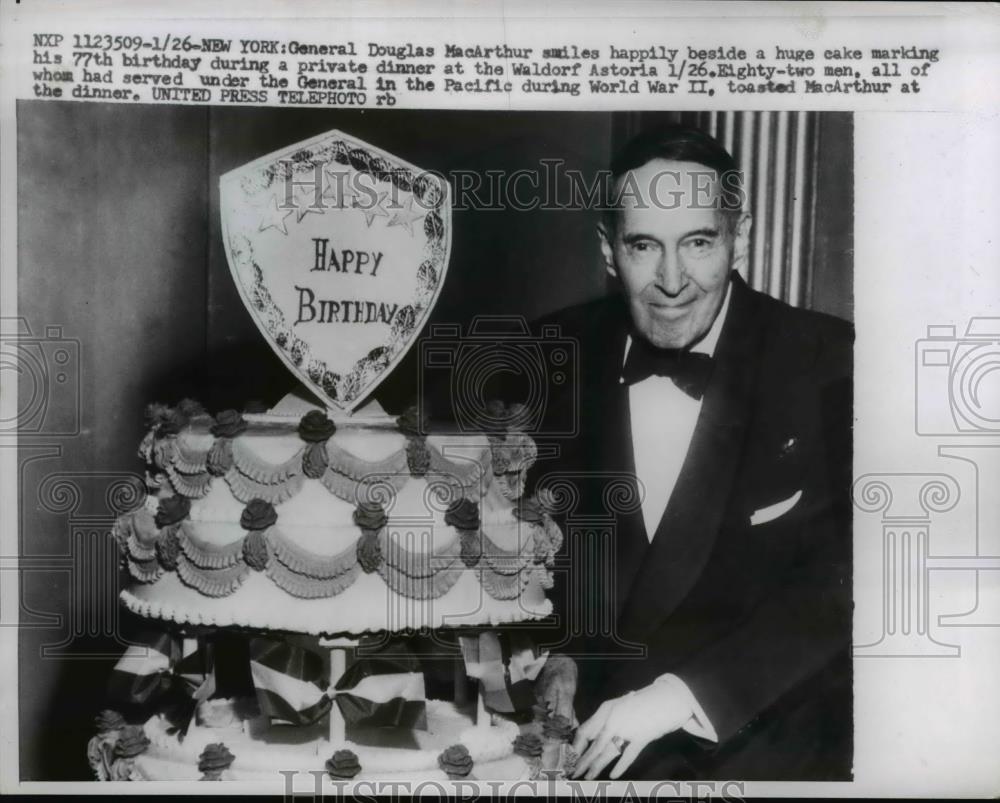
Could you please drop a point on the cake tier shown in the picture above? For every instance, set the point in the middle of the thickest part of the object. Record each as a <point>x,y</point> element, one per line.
<point>298,524</point>
<point>303,751</point>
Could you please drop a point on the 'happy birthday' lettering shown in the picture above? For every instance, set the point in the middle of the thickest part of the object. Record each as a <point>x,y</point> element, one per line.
<point>344,260</point>
<point>325,310</point>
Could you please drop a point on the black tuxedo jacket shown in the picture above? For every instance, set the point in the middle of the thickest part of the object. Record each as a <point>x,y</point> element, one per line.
<point>754,617</point>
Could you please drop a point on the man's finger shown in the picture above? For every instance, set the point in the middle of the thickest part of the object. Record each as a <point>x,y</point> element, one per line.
<point>589,729</point>
<point>632,750</point>
<point>606,757</point>
<point>599,745</point>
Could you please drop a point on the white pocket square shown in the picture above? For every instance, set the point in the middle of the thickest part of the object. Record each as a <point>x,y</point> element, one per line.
<point>771,512</point>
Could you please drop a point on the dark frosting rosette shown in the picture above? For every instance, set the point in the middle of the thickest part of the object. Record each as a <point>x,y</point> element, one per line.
<point>370,517</point>
<point>343,764</point>
<point>171,510</point>
<point>456,761</point>
<point>259,514</point>
<point>255,551</point>
<point>229,424</point>
<point>109,720</point>
<point>369,552</point>
<point>528,745</point>
<point>155,414</point>
<point>171,424</point>
<point>131,742</point>
<point>214,760</point>
<point>462,514</point>
<point>315,427</point>
<point>513,453</point>
<point>558,728</point>
<point>168,549</point>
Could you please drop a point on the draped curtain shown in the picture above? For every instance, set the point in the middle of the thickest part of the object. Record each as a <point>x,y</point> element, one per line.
<point>777,152</point>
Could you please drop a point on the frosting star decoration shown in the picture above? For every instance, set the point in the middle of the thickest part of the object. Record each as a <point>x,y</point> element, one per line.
<point>341,189</point>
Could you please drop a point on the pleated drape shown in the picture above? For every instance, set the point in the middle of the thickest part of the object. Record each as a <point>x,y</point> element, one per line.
<point>776,152</point>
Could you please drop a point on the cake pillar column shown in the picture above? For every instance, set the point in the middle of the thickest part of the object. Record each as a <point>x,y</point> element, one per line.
<point>338,665</point>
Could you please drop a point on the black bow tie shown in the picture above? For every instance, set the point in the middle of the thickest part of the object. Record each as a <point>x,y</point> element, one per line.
<point>689,370</point>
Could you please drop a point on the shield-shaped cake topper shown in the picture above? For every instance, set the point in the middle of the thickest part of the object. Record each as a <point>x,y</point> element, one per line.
<point>339,251</point>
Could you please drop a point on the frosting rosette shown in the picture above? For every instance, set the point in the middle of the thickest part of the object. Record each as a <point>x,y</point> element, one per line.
<point>456,761</point>
<point>462,514</point>
<point>154,415</point>
<point>369,552</point>
<point>171,510</point>
<point>255,552</point>
<point>370,517</point>
<point>229,424</point>
<point>259,514</point>
<point>528,745</point>
<point>108,721</point>
<point>214,760</point>
<point>171,424</point>
<point>343,764</point>
<point>558,728</point>
<point>315,427</point>
<point>131,742</point>
<point>515,453</point>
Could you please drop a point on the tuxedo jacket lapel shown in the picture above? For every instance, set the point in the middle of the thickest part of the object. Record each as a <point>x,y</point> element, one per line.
<point>611,463</point>
<point>690,525</point>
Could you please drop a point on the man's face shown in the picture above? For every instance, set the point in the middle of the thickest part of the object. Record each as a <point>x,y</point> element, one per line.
<point>672,250</point>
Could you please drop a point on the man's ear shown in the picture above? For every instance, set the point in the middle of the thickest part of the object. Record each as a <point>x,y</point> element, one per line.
<point>607,250</point>
<point>741,242</point>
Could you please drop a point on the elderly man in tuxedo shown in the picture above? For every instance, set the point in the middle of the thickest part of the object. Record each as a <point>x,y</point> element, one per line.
<point>727,653</point>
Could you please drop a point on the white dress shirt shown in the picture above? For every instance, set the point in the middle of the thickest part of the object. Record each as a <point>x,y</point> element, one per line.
<point>663,422</point>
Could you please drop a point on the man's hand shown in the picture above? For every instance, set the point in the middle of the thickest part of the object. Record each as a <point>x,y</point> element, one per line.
<point>556,686</point>
<point>623,726</point>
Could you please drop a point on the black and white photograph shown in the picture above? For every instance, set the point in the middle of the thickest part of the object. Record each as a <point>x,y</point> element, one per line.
<point>667,360</point>
<point>591,446</point>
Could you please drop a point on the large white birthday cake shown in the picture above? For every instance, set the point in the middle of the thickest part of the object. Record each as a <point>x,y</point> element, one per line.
<point>324,530</point>
<point>298,524</point>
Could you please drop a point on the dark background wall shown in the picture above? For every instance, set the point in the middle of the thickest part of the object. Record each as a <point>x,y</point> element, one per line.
<point>119,246</point>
